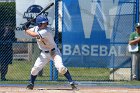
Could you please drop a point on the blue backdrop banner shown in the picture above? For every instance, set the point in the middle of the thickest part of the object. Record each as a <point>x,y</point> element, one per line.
<point>95,32</point>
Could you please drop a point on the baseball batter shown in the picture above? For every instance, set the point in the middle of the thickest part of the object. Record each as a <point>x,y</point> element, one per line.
<point>49,50</point>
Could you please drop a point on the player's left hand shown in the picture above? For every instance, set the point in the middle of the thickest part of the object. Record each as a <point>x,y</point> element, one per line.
<point>26,25</point>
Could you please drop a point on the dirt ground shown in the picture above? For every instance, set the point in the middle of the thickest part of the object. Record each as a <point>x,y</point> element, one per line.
<point>63,89</point>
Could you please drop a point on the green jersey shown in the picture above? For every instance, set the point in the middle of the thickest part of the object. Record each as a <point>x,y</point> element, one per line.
<point>134,36</point>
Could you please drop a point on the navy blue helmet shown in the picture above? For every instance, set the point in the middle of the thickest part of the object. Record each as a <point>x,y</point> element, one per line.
<point>41,19</point>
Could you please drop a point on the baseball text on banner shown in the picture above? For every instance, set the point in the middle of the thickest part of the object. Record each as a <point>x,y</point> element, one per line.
<point>94,33</point>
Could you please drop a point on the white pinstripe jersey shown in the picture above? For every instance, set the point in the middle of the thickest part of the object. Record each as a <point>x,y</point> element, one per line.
<point>48,39</point>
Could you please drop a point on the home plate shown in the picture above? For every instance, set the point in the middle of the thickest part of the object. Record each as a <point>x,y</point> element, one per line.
<point>41,89</point>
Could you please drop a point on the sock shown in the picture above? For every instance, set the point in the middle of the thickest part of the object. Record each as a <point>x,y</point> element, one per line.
<point>33,78</point>
<point>68,76</point>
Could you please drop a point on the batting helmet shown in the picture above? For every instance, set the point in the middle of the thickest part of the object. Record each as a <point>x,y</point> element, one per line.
<point>137,25</point>
<point>41,19</point>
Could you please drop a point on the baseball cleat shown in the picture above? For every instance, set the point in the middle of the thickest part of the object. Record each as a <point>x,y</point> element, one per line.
<point>73,85</point>
<point>30,86</point>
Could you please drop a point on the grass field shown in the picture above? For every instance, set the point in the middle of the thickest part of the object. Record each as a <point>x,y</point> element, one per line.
<point>19,73</point>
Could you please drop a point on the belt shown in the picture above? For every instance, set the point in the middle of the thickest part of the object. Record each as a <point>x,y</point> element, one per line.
<point>48,51</point>
<point>138,52</point>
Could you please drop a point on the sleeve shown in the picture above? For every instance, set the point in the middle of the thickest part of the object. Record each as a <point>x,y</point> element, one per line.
<point>42,33</point>
<point>131,37</point>
<point>32,29</point>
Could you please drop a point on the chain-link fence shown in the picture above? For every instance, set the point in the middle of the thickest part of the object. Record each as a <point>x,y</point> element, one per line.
<point>112,66</point>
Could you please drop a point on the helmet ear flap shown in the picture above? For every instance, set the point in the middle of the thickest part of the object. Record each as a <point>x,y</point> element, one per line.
<point>47,23</point>
<point>39,25</point>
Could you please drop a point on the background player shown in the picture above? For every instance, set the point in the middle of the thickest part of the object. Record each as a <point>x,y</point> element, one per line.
<point>49,50</point>
<point>133,40</point>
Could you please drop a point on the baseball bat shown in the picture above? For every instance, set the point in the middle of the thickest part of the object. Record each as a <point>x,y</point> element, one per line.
<point>42,11</point>
<point>26,25</point>
<point>46,8</point>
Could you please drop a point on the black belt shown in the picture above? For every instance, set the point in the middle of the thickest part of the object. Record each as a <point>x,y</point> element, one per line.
<point>48,51</point>
<point>138,52</point>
